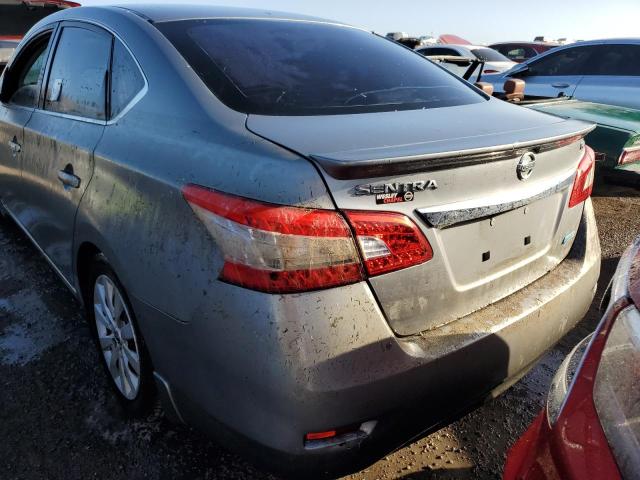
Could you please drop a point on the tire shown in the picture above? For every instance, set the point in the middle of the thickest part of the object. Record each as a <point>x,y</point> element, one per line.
<point>120,344</point>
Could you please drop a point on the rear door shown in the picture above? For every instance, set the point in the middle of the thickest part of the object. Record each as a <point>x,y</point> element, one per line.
<point>612,76</point>
<point>20,92</point>
<point>61,136</point>
<point>557,73</point>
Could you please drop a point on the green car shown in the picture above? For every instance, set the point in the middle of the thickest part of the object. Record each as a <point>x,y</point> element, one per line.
<point>616,139</point>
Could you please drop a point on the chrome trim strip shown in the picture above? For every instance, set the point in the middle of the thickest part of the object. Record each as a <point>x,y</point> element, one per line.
<point>71,117</point>
<point>379,167</point>
<point>42,252</point>
<point>448,218</point>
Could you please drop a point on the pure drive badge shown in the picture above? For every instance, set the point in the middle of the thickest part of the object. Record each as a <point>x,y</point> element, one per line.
<point>386,193</point>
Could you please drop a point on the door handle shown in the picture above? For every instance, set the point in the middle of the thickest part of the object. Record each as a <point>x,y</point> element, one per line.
<point>15,147</point>
<point>560,85</point>
<point>69,179</point>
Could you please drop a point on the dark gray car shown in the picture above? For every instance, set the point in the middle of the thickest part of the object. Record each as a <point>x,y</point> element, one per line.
<point>302,236</point>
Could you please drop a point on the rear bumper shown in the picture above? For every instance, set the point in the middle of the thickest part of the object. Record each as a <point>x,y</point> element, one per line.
<point>282,366</point>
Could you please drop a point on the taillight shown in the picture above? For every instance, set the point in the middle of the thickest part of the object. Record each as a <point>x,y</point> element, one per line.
<point>583,184</point>
<point>491,71</point>
<point>277,249</point>
<point>388,241</point>
<point>629,155</point>
<point>280,249</point>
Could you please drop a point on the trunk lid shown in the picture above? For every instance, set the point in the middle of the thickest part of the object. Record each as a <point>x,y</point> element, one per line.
<point>492,232</point>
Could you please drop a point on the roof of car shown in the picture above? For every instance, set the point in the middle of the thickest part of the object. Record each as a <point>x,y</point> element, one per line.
<point>179,11</point>
<point>516,42</point>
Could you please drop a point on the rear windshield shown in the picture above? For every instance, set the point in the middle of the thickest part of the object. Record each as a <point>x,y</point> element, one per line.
<point>489,55</point>
<point>282,67</point>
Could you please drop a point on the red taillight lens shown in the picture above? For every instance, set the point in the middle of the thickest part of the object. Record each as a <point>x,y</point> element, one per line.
<point>388,241</point>
<point>277,249</point>
<point>491,71</point>
<point>629,156</point>
<point>583,184</point>
<point>320,435</point>
<point>280,249</point>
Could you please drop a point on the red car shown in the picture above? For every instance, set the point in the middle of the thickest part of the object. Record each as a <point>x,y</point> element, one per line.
<point>521,51</point>
<point>590,428</point>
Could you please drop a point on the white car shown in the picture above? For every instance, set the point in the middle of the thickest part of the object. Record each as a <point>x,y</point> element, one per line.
<point>495,62</point>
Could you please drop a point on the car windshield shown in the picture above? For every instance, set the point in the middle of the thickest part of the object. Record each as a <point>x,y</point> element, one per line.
<point>283,67</point>
<point>489,55</point>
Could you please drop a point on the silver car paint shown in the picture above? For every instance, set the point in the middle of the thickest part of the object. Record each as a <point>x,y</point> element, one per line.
<point>273,367</point>
<point>456,281</point>
<point>609,90</point>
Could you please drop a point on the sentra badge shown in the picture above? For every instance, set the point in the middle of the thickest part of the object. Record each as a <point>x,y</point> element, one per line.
<point>397,192</point>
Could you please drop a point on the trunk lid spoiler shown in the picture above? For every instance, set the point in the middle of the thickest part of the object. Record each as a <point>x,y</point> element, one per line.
<point>390,143</point>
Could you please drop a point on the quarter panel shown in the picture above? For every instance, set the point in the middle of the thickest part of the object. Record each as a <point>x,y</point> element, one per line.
<point>610,90</point>
<point>161,251</point>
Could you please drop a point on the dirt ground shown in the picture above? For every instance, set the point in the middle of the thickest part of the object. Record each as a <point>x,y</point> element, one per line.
<point>59,421</point>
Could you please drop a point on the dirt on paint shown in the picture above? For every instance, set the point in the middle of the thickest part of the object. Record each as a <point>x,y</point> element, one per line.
<point>58,419</point>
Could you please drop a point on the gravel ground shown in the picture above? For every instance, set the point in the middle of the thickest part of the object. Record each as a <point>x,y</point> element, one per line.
<point>59,421</point>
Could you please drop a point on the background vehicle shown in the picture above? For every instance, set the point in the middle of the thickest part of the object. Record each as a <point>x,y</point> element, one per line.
<point>495,62</point>
<point>521,51</point>
<point>7,46</point>
<point>590,428</point>
<point>603,71</point>
<point>18,16</point>
<point>616,139</point>
<point>285,272</point>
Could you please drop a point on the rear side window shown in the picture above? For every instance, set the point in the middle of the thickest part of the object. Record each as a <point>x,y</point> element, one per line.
<point>77,80</point>
<point>516,53</point>
<point>281,67</point>
<point>569,61</point>
<point>620,60</point>
<point>126,79</point>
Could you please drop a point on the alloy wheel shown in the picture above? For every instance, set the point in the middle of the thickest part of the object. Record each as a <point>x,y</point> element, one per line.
<point>117,336</point>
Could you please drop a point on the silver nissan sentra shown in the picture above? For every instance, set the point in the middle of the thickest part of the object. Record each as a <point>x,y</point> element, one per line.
<point>303,238</point>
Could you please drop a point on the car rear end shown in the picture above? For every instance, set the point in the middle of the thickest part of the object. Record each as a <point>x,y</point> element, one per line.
<point>590,427</point>
<point>615,140</point>
<point>461,244</point>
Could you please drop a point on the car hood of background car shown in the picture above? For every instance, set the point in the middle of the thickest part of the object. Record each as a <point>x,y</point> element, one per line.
<point>374,138</point>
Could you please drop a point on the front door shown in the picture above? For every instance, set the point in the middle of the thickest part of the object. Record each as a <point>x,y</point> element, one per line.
<point>60,137</point>
<point>557,73</point>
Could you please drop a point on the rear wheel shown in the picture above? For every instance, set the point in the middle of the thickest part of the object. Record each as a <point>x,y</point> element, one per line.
<point>119,341</point>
